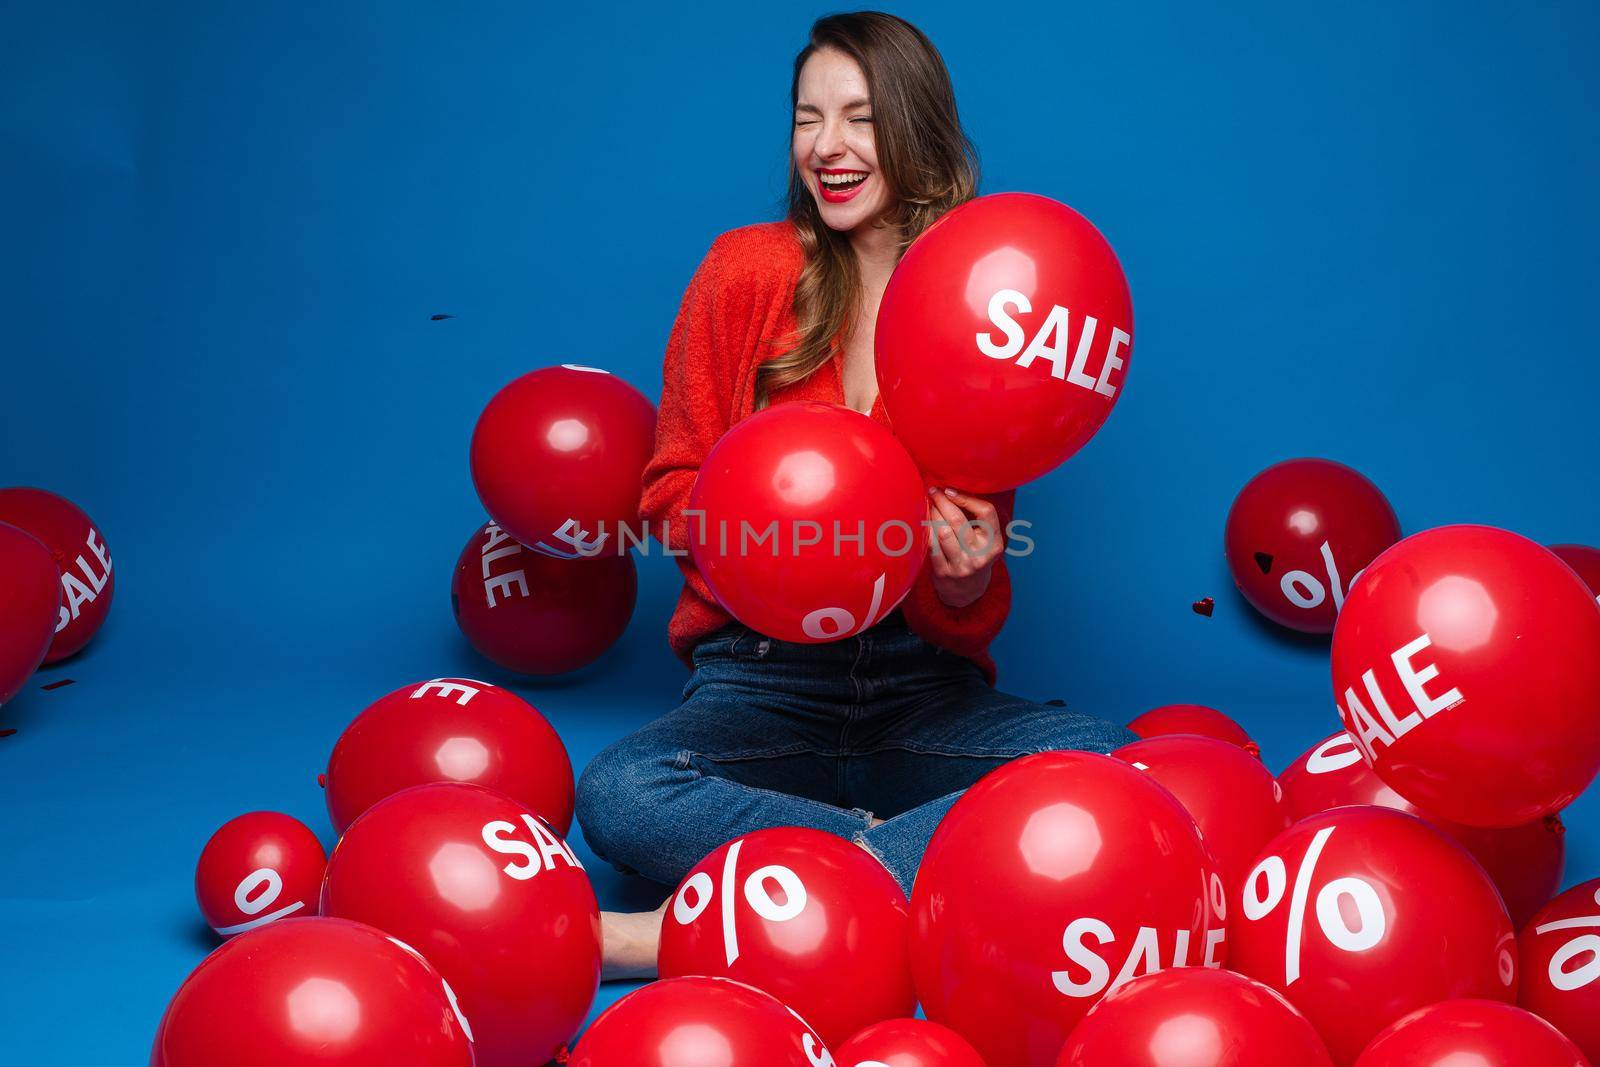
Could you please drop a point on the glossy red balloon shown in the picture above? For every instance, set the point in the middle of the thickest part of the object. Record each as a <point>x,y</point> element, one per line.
<point>1584,560</point>
<point>1234,799</point>
<point>30,598</point>
<point>1298,534</point>
<point>258,868</point>
<point>81,556</point>
<point>1194,1017</point>
<point>493,898</point>
<point>1193,719</point>
<point>795,474</point>
<point>1471,1033</point>
<point>1011,319</point>
<point>1053,879</point>
<point>450,730</point>
<point>558,458</point>
<point>1466,663</point>
<point>1560,956</point>
<point>304,991</point>
<point>906,1043</point>
<point>1526,862</point>
<point>1360,915</point>
<point>539,614</point>
<point>699,1022</point>
<point>807,916</point>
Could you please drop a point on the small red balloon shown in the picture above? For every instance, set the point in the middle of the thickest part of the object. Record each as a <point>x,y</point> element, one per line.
<point>804,915</point>
<point>450,730</point>
<point>1011,319</point>
<point>1298,534</point>
<point>1055,878</point>
<point>492,897</point>
<point>558,458</point>
<point>840,507</point>
<point>1234,799</point>
<point>697,1022</point>
<point>1465,665</point>
<point>1362,914</point>
<point>539,614</point>
<point>256,869</point>
<point>1471,1033</point>
<point>81,556</point>
<point>1193,719</point>
<point>30,590</point>
<point>1559,950</point>
<point>1194,1017</point>
<point>323,991</point>
<point>1584,560</point>
<point>906,1043</point>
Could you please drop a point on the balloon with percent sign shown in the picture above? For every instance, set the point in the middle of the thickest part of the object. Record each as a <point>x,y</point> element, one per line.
<point>258,868</point>
<point>1056,878</point>
<point>1560,953</point>
<point>1584,560</point>
<point>1465,666</point>
<point>810,522</point>
<point>1298,534</point>
<point>1193,719</point>
<point>907,1043</point>
<point>1471,1033</point>
<point>1362,914</point>
<point>805,915</point>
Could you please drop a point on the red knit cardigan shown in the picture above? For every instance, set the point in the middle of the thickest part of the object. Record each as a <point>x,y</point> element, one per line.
<point>738,312</point>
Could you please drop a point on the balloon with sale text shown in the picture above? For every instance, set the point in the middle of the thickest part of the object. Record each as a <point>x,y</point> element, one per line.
<point>81,555</point>
<point>258,868</point>
<point>30,589</point>
<point>1560,954</point>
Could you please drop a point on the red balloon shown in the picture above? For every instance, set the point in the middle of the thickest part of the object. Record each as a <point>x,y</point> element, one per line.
<point>493,898</point>
<point>804,915</point>
<point>806,476</point>
<point>258,868</point>
<point>1234,799</point>
<point>698,1022</point>
<point>1559,951</point>
<point>1584,560</point>
<point>81,556</point>
<point>1298,534</point>
<point>1362,914</point>
<point>1471,1033</point>
<point>538,614</point>
<point>30,590</point>
<point>558,457</point>
<point>1193,719</point>
<point>1466,664</point>
<point>1009,318</point>
<point>1526,862</point>
<point>907,1043</point>
<point>1194,1017</point>
<point>450,730</point>
<point>1053,879</point>
<point>323,991</point>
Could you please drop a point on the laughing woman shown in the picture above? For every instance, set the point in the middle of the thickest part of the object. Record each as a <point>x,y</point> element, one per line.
<point>872,737</point>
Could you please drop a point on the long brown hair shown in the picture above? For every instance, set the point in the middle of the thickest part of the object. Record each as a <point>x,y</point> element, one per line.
<point>923,154</point>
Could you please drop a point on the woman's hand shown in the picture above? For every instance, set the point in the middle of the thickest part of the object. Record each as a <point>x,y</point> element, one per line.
<point>966,539</point>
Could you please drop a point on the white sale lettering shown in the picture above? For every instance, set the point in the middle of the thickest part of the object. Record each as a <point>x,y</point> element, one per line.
<point>81,591</point>
<point>493,550</point>
<point>1050,343</point>
<point>537,857</point>
<point>1143,958</point>
<point>1379,723</point>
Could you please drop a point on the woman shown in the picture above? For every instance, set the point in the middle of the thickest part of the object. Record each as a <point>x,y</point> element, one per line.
<point>871,737</point>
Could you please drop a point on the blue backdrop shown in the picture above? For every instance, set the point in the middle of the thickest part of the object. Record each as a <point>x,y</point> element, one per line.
<point>1363,230</point>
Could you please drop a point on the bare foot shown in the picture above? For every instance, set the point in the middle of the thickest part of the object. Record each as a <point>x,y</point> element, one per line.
<point>629,942</point>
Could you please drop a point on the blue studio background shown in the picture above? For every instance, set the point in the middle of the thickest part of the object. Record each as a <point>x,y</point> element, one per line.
<point>1363,231</point>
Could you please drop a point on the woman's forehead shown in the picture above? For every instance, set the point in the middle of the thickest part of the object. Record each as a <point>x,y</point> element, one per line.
<point>829,77</point>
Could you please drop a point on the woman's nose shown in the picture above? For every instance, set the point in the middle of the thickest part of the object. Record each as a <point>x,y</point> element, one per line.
<point>830,142</point>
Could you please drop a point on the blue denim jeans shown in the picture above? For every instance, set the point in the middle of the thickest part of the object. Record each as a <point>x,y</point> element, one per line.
<point>772,733</point>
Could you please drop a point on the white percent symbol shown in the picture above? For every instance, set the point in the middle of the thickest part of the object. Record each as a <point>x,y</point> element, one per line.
<point>255,893</point>
<point>1580,976</point>
<point>1306,590</point>
<point>695,897</point>
<point>1264,891</point>
<point>825,624</point>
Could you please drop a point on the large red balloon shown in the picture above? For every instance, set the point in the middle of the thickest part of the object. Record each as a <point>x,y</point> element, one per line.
<point>322,991</point>
<point>450,730</point>
<point>258,868</point>
<point>30,597</point>
<point>1362,914</point>
<point>1003,340</point>
<point>1471,1033</point>
<point>840,507</point>
<point>699,1022</point>
<point>1526,862</point>
<point>494,899</point>
<point>558,457</point>
<point>1298,534</point>
<point>1193,719</point>
<point>1560,954</point>
<point>1194,1017</point>
<point>1584,560</point>
<point>1234,799</point>
<point>81,556</point>
<point>1052,880</point>
<point>539,614</point>
<point>1466,663</point>
<point>906,1043</point>
<point>807,916</point>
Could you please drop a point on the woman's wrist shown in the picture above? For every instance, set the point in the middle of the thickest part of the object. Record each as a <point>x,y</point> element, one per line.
<point>962,592</point>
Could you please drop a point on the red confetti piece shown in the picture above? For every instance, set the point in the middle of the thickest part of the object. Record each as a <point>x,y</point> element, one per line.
<point>58,685</point>
<point>439,318</point>
<point>1204,606</point>
<point>8,733</point>
<point>1264,561</point>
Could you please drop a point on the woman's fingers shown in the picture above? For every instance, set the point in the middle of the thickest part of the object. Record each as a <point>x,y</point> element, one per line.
<point>977,524</point>
<point>950,534</point>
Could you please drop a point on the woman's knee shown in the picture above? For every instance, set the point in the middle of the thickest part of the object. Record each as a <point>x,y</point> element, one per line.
<point>614,795</point>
